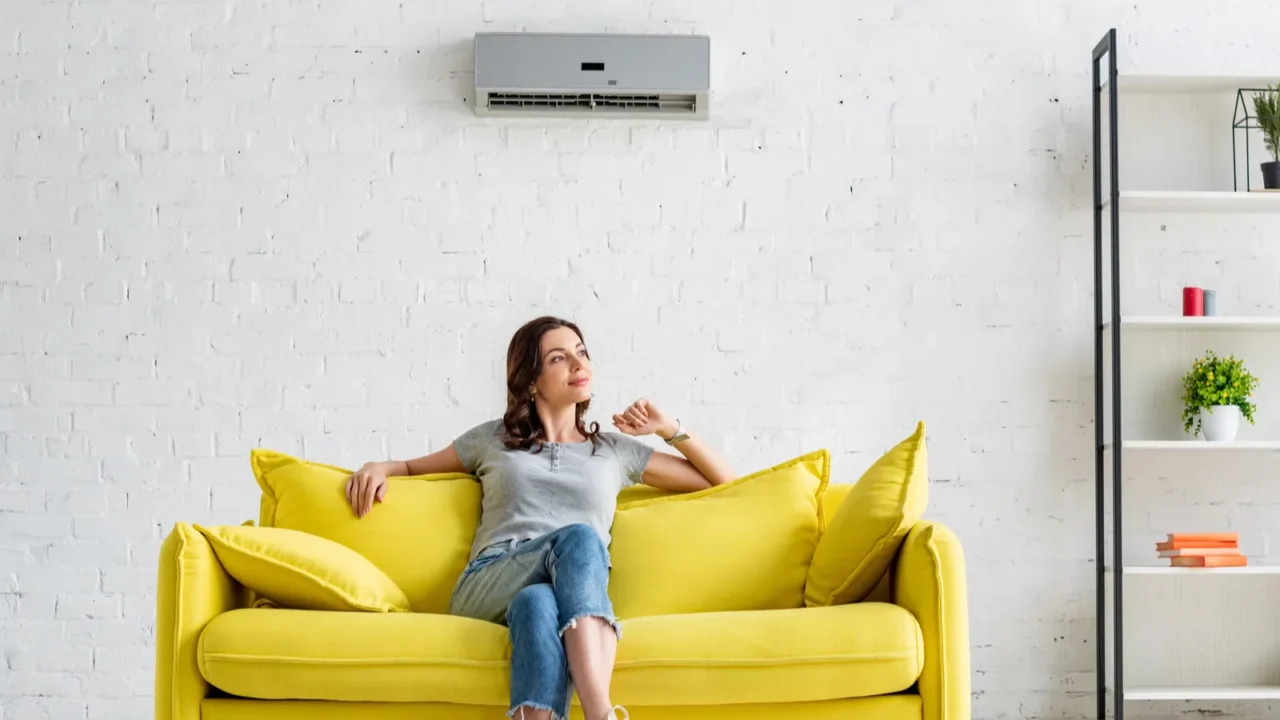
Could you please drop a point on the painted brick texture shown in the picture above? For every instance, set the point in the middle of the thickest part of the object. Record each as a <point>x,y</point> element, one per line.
<point>237,223</point>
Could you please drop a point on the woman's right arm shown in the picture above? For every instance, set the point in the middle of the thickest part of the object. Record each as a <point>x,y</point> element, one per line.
<point>369,483</point>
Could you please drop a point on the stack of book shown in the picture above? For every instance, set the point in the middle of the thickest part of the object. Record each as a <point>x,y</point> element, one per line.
<point>1206,550</point>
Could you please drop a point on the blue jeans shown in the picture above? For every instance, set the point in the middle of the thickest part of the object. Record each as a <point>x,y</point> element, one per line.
<point>539,588</point>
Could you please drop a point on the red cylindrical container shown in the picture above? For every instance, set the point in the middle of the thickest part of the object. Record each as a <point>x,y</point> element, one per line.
<point>1192,302</point>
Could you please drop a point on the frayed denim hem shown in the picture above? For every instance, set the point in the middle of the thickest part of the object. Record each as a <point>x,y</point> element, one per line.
<point>573,622</point>
<point>533,706</point>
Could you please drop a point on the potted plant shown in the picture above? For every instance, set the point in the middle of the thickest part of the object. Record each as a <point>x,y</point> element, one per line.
<point>1215,393</point>
<point>1266,105</point>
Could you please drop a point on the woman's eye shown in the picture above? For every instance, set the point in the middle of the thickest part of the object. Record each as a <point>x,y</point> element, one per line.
<point>583,353</point>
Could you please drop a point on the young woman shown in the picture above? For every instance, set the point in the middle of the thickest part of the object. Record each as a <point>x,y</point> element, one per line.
<point>540,563</point>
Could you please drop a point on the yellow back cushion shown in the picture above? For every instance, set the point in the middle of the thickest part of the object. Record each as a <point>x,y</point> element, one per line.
<point>420,536</point>
<point>745,545</point>
<point>302,571</point>
<point>864,534</point>
<point>833,499</point>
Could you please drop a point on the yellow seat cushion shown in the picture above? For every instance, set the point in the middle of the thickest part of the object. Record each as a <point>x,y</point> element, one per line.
<point>864,534</point>
<point>765,656</point>
<point>309,655</point>
<point>296,570</point>
<point>744,545</point>
<point>768,656</point>
<point>884,707</point>
<point>420,536</point>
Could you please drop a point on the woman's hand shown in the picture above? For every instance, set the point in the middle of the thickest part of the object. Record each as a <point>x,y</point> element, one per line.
<point>644,418</point>
<point>367,485</point>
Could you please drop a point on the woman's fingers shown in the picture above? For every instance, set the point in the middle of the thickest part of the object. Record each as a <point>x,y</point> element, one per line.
<point>357,502</point>
<point>362,489</point>
<point>369,490</point>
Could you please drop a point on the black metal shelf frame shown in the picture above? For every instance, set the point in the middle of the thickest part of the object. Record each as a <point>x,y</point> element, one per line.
<point>1107,48</point>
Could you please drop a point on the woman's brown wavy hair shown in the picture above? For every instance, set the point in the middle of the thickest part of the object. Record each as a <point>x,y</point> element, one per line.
<point>524,364</point>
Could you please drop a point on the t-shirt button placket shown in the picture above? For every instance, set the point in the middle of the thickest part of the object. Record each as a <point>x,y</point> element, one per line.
<point>555,457</point>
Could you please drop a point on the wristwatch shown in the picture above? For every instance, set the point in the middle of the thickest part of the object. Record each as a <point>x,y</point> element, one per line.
<point>679,436</point>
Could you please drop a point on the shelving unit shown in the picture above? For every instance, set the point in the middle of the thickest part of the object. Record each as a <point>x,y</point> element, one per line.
<point>1206,324</point>
<point>1139,83</point>
<point>1200,445</point>
<point>1204,693</point>
<point>1166,570</point>
<point>1175,642</point>
<point>1186,201</point>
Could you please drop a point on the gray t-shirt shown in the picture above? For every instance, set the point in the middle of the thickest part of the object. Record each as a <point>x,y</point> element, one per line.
<point>527,494</point>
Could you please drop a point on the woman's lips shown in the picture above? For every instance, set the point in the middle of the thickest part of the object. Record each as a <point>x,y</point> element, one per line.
<point>579,383</point>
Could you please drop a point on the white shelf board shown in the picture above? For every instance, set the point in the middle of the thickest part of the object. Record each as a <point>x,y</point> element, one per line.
<point>1217,323</point>
<point>1167,570</point>
<point>1172,83</point>
<point>1183,201</point>
<point>1262,692</point>
<point>1201,445</point>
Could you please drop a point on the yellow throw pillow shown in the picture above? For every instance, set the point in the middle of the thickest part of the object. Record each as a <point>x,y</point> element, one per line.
<point>744,545</point>
<point>295,570</point>
<point>420,536</point>
<point>864,534</point>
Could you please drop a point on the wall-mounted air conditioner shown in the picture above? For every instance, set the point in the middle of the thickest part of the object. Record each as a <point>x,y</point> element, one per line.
<point>574,75</point>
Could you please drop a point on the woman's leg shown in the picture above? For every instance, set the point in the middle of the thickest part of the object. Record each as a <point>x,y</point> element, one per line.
<point>591,647</point>
<point>580,577</point>
<point>539,674</point>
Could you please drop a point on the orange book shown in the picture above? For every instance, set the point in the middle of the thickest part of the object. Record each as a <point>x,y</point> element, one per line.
<point>1200,552</point>
<point>1211,561</point>
<point>1194,544</point>
<point>1204,537</point>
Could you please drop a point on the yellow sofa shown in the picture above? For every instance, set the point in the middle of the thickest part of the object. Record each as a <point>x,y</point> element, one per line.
<point>901,655</point>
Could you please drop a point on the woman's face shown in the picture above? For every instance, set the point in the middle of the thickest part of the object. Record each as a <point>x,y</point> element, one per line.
<point>566,368</point>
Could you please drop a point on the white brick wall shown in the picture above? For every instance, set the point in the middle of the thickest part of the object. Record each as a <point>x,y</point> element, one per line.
<point>227,224</point>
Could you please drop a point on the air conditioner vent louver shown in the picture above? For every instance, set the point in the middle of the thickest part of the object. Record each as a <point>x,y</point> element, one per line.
<point>594,102</point>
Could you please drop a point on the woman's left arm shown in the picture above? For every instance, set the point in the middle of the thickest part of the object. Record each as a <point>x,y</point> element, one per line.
<point>700,468</point>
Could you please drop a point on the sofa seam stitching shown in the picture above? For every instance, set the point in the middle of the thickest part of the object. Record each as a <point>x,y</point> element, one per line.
<point>174,703</point>
<point>942,625</point>
<point>912,654</point>
<point>717,489</point>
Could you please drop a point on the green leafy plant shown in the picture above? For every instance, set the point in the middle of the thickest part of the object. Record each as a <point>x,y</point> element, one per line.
<point>1213,381</point>
<point>1266,105</point>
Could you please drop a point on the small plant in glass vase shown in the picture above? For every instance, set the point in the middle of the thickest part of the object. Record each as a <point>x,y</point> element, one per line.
<point>1266,106</point>
<point>1215,394</point>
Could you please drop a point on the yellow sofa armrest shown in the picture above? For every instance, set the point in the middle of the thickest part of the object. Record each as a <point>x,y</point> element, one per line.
<point>929,582</point>
<point>191,590</point>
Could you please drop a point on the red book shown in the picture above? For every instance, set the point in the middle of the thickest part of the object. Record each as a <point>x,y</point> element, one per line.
<point>1205,537</point>
<point>1200,552</point>
<point>1180,544</point>
<point>1210,562</point>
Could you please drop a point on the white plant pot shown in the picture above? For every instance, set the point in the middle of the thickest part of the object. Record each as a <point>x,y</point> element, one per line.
<point>1220,423</point>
